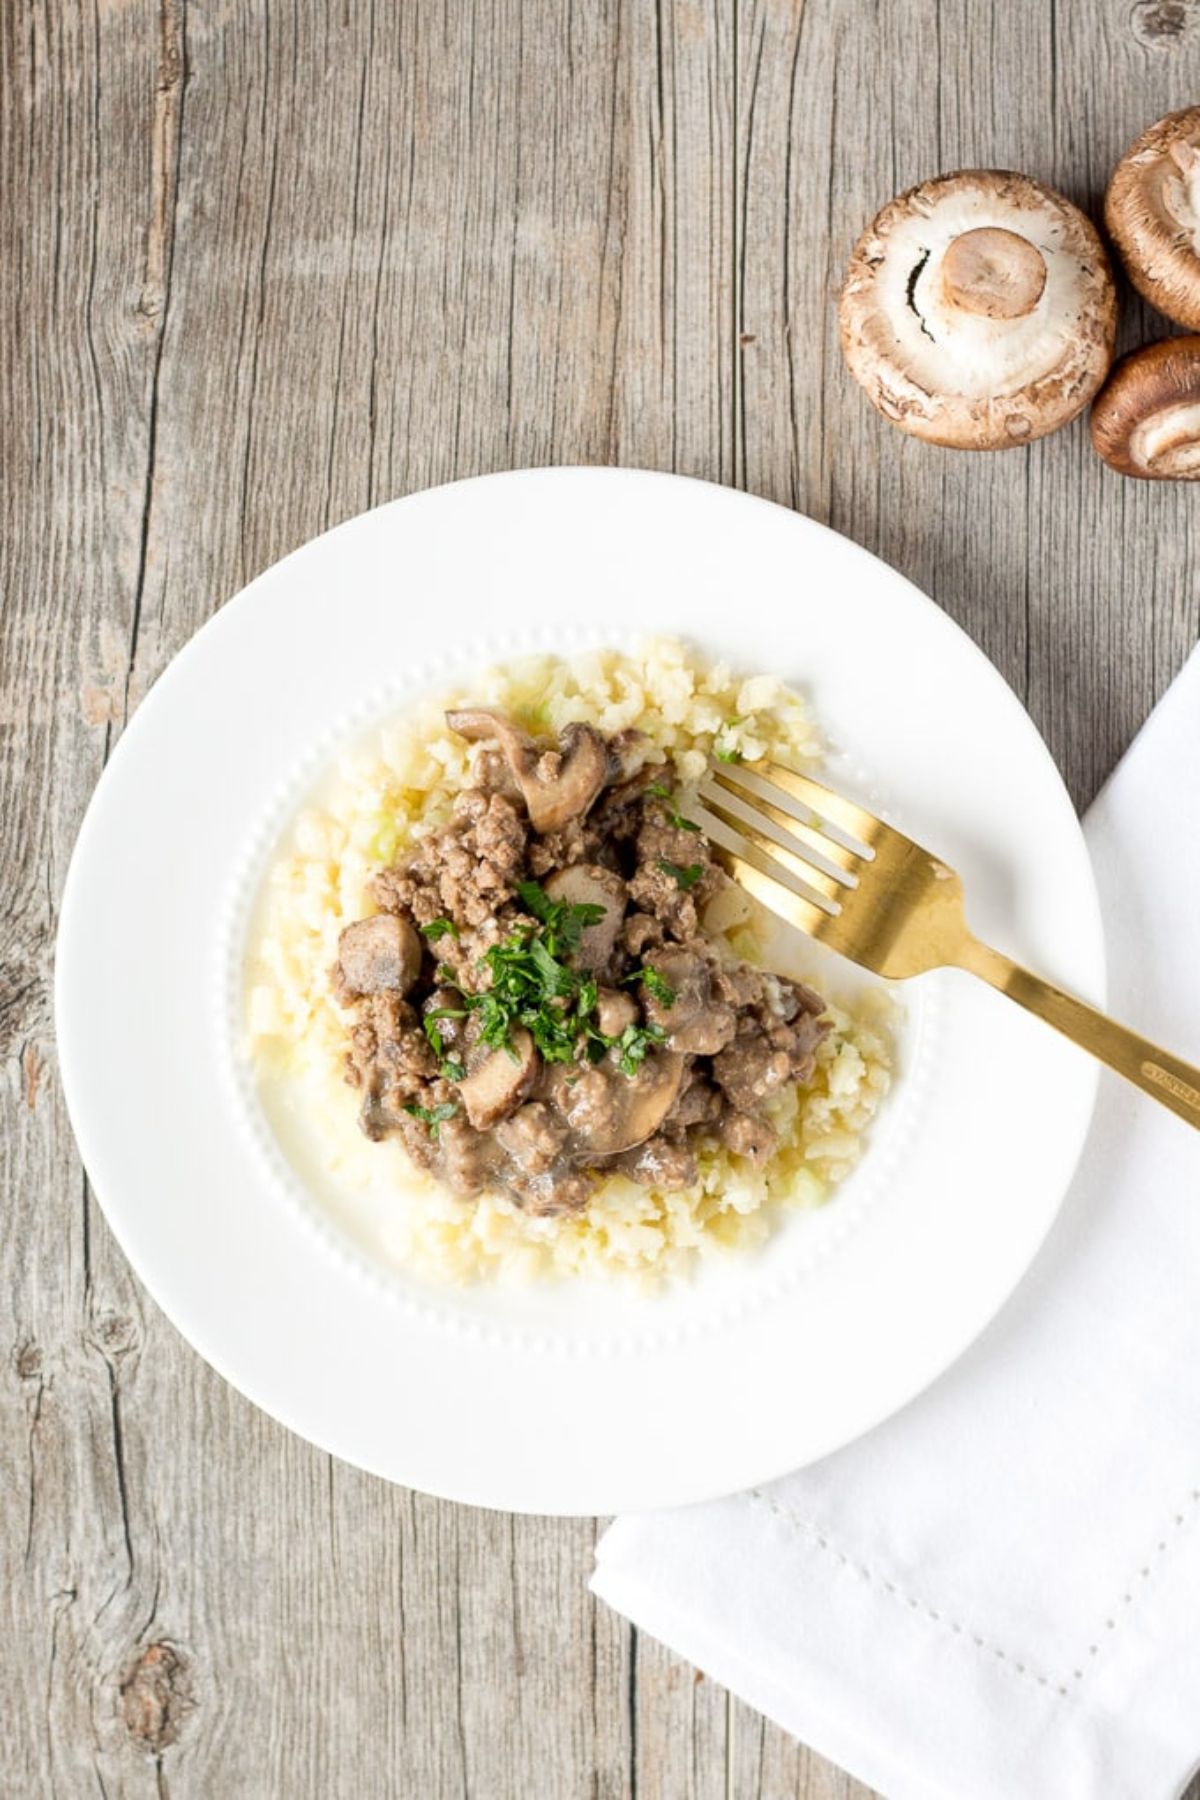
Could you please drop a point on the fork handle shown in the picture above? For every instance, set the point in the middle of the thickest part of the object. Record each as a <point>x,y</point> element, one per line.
<point>1165,1078</point>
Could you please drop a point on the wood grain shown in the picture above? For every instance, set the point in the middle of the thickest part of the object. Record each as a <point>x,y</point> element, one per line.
<point>266,267</point>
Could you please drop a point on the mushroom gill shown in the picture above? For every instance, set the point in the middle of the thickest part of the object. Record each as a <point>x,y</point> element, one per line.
<point>979,310</point>
<point>1152,211</point>
<point>1146,420</point>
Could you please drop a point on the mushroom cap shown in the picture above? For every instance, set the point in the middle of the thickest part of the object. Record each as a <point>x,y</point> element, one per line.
<point>1146,420</point>
<point>979,310</point>
<point>1152,211</point>
<point>578,769</point>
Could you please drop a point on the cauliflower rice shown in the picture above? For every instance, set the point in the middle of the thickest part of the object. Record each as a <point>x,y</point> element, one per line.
<point>399,784</point>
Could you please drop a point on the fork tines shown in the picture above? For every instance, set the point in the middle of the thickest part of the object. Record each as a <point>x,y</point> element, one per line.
<point>789,828</point>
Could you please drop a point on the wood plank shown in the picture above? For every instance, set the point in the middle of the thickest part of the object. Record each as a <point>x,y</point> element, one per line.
<point>1113,601</point>
<point>673,409</point>
<point>672,381</point>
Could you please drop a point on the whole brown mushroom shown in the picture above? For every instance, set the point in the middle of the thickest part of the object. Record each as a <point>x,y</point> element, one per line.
<point>1152,210</point>
<point>1146,420</point>
<point>979,310</point>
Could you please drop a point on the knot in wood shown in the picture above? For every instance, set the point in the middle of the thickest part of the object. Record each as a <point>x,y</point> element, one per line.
<point>1161,24</point>
<point>156,1697</point>
<point>114,1334</point>
<point>27,1360</point>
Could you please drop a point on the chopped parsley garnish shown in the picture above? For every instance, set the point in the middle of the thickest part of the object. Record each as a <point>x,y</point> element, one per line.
<point>727,753</point>
<point>439,928</point>
<point>634,1044</point>
<point>450,1066</point>
<point>563,921</point>
<point>530,987</point>
<point>435,1119</point>
<point>684,878</point>
<point>655,986</point>
<point>673,814</point>
<point>533,988</point>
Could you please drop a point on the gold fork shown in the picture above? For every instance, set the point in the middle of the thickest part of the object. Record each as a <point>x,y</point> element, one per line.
<point>840,874</point>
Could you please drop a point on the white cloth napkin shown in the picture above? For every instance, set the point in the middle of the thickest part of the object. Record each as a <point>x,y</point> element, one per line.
<point>996,1595</point>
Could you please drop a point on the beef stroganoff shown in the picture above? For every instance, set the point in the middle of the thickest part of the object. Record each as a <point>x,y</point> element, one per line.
<point>501,958</point>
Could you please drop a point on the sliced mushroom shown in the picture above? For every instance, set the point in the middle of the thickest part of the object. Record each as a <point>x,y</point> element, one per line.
<point>379,955</point>
<point>1146,420</point>
<point>729,907</point>
<point>557,785</point>
<point>587,884</point>
<point>1152,210</point>
<point>979,310</point>
<point>614,1011</point>
<point>628,753</point>
<point>498,1082</point>
<point>608,1112</point>
<point>696,1024</point>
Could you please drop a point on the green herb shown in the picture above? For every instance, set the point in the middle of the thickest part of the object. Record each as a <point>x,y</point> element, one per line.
<point>673,814</point>
<point>728,753</point>
<point>634,1045</point>
<point>433,1121</point>
<point>532,988</point>
<point>656,987</point>
<point>535,898</point>
<point>529,987</point>
<point>684,878</point>
<point>450,1066</point>
<point>563,921</point>
<point>439,928</point>
<point>558,981</point>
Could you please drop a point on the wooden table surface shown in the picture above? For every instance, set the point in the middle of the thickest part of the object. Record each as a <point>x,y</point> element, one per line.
<point>267,266</point>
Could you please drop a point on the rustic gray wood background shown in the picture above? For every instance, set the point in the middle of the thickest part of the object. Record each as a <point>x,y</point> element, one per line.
<point>265,266</point>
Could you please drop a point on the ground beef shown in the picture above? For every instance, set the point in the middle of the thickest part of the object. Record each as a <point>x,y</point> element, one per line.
<point>661,1162</point>
<point>761,1059</point>
<point>700,1103</point>
<point>748,1136</point>
<point>465,872</point>
<point>577,842</point>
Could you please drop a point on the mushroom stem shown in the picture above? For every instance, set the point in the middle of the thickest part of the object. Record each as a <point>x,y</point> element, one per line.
<point>993,273</point>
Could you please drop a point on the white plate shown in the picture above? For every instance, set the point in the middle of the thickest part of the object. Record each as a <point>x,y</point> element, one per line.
<point>558,1400</point>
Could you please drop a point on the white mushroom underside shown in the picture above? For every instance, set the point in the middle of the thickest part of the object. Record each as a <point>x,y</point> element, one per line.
<point>1168,442</point>
<point>947,351</point>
